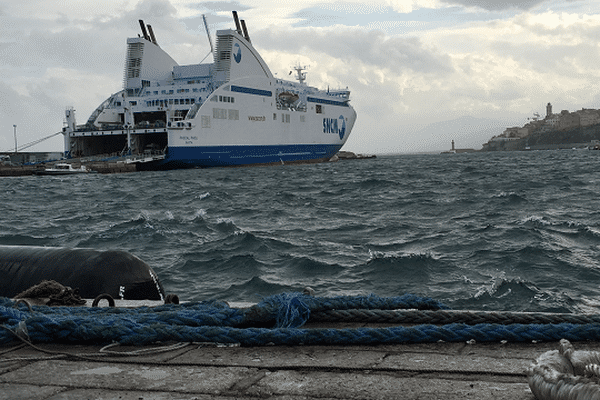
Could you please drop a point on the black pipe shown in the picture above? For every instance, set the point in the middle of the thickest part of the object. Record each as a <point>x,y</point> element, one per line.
<point>144,30</point>
<point>114,272</point>
<point>152,37</point>
<point>237,22</point>
<point>245,31</point>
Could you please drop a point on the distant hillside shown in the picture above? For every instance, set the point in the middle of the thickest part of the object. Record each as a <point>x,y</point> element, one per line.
<point>557,139</point>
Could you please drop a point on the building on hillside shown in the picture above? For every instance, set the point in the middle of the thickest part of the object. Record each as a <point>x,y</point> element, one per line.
<point>588,117</point>
<point>552,121</point>
<point>568,120</point>
<point>515,132</point>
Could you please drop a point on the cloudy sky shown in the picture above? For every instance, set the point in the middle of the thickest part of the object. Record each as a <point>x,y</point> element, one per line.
<point>421,72</point>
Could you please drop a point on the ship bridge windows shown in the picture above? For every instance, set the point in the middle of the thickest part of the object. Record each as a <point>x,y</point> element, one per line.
<point>226,99</point>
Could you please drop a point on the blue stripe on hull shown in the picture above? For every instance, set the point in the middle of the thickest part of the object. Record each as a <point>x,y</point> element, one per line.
<point>214,156</point>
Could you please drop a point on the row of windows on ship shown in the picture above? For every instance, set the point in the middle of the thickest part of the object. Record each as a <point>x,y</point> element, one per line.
<point>148,93</point>
<point>162,103</point>
<point>189,101</point>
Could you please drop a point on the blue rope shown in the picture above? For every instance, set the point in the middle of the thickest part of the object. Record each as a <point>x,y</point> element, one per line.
<point>292,310</point>
<point>217,322</point>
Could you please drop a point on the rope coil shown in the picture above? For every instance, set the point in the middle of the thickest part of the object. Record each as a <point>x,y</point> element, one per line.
<point>565,374</point>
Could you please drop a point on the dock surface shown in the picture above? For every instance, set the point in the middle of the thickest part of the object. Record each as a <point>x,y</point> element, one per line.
<point>210,371</point>
<point>199,371</point>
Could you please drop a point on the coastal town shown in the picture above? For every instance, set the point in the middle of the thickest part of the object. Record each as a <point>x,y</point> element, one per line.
<point>556,130</point>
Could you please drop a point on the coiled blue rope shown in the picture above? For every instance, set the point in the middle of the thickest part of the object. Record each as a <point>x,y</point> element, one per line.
<point>216,322</point>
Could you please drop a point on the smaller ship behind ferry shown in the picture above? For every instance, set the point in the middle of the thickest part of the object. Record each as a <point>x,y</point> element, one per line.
<point>233,111</point>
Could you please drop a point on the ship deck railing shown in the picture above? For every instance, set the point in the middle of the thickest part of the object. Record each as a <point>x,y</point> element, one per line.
<point>117,131</point>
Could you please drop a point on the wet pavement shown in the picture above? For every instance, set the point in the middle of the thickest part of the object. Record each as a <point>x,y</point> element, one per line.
<point>208,371</point>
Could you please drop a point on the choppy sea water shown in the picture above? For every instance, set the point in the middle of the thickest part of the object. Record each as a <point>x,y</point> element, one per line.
<point>515,231</point>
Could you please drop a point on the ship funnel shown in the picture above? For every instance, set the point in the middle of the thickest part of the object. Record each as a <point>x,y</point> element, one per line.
<point>152,37</point>
<point>245,31</point>
<point>144,32</point>
<point>237,22</point>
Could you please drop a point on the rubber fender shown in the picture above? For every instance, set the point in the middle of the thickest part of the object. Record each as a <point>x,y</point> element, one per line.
<point>115,272</point>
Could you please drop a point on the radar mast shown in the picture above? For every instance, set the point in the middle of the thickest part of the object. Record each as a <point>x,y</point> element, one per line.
<point>300,74</point>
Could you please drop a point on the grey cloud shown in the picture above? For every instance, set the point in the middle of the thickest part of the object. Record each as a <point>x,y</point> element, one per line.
<point>95,45</point>
<point>311,18</point>
<point>67,49</point>
<point>18,109</point>
<point>562,55</point>
<point>372,48</point>
<point>221,6</point>
<point>196,23</point>
<point>495,5</point>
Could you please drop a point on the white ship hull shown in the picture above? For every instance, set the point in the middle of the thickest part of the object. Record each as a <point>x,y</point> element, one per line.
<point>231,112</point>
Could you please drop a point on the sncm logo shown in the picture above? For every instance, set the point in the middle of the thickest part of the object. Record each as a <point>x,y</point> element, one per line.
<point>335,125</point>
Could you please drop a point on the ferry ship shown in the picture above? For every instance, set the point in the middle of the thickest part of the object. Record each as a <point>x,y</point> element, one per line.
<point>233,111</point>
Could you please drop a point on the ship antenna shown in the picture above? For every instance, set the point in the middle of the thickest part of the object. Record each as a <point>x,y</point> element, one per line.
<point>208,33</point>
<point>301,76</point>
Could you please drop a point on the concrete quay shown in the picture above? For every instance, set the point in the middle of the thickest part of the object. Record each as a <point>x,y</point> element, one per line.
<point>103,167</point>
<point>210,371</point>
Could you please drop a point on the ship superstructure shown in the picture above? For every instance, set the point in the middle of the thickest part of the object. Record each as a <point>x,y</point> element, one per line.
<point>233,111</point>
